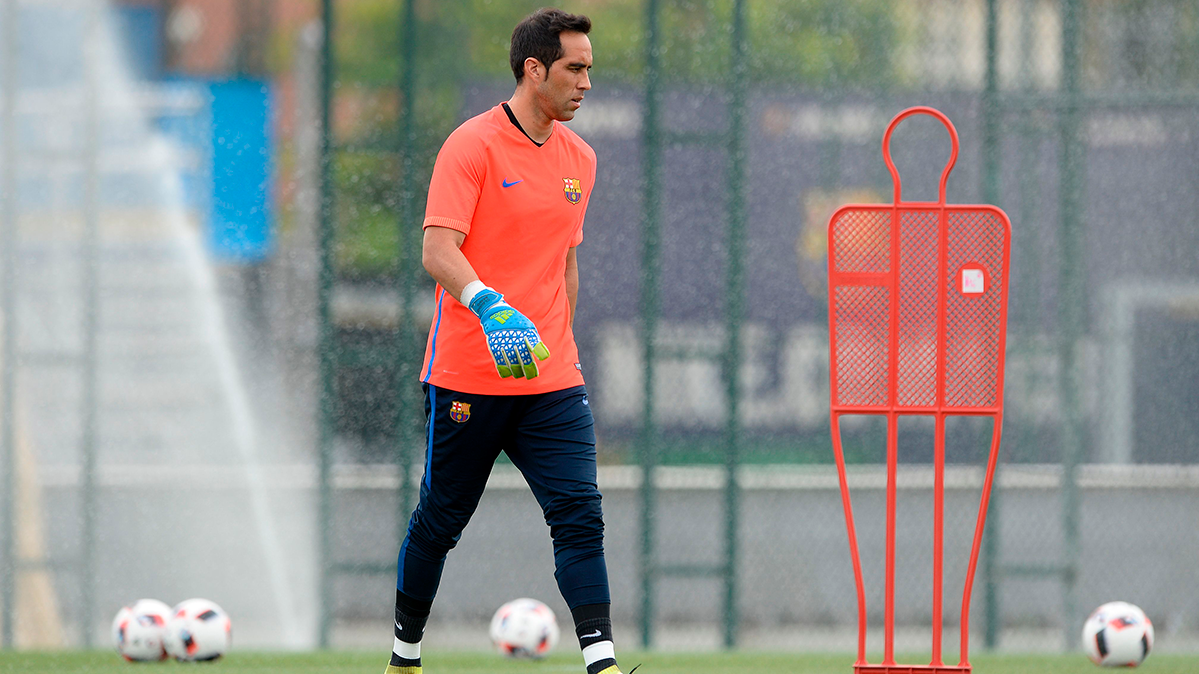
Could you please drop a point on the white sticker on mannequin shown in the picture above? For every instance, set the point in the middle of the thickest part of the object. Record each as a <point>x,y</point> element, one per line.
<point>973,282</point>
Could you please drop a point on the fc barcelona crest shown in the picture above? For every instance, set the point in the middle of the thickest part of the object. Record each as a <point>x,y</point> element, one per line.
<point>573,189</point>
<point>459,411</point>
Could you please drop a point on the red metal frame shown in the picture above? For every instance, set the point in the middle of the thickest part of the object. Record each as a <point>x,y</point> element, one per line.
<point>908,337</point>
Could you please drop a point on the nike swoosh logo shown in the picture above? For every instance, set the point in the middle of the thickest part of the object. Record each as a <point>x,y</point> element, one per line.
<point>510,184</point>
<point>591,636</point>
<point>399,626</point>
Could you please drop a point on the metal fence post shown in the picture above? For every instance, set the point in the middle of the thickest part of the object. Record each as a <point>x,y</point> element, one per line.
<point>1070,300</point>
<point>325,344</point>
<point>408,354</point>
<point>734,314</point>
<point>990,173</point>
<point>651,238</point>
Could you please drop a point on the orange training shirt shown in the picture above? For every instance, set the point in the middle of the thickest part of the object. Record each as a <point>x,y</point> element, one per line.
<point>521,207</point>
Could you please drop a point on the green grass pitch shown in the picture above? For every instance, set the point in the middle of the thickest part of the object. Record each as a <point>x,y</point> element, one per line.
<point>361,662</point>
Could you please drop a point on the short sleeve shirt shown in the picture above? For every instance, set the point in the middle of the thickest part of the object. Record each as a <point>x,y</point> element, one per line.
<point>521,207</point>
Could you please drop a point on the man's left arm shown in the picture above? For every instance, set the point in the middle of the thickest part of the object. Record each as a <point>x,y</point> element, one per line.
<point>572,282</point>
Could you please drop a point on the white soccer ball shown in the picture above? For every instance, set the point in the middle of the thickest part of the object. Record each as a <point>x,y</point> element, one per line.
<point>1117,634</point>
<point>524,628</point>
<point>198,630</point>
<point>139,629</point>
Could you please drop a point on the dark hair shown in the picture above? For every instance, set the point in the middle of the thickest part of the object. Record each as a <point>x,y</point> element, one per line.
<point>537,36</point>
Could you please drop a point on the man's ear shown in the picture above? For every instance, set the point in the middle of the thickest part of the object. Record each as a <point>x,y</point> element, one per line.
<point>535,69</point>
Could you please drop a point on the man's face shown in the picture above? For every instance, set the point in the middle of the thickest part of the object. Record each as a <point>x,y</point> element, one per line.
<point>560,91</point>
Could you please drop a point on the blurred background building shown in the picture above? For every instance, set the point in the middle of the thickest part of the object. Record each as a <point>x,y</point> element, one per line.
<point>213,311</point>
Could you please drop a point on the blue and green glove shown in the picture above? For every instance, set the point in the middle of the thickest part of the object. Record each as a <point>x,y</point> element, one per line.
<point>511,338</point>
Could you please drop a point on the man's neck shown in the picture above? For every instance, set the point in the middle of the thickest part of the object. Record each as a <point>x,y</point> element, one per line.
<point>531,118</point>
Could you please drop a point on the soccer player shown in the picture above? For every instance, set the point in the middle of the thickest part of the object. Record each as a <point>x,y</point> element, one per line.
<point>501,371</point>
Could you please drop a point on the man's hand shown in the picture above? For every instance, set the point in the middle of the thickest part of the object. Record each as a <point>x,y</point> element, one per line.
<point>511,338</point>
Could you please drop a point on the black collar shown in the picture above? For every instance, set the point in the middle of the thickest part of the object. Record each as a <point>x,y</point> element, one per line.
<point>512,118</point>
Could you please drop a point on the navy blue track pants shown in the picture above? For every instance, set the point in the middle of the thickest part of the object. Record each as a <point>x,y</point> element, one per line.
<point>550,437</point>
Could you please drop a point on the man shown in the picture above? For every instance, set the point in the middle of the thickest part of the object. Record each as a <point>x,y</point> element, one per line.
<point>501,372</point>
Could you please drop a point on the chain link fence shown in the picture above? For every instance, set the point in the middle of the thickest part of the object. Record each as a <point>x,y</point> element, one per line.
<point>1076,117</point>
<point>727,132</point>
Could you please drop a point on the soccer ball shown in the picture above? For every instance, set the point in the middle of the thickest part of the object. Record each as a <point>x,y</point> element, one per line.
<point>198,630</point>
<point>138,630</point>
<point>524,628</point>
<point>1117,635</point>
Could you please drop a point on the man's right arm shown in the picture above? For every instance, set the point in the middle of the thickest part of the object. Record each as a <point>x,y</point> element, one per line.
<point>444,260</point>
<point>453,197</point>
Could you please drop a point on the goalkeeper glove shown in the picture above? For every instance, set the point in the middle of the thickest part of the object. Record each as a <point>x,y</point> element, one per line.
<point>511,338</point>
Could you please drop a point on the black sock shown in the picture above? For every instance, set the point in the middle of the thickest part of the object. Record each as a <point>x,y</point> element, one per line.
<point>411,616</point>
<point>593,624</point>
<point>600,665</point>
